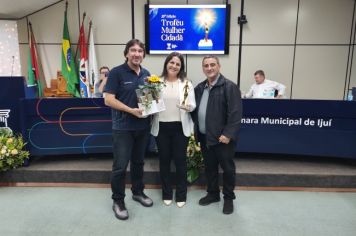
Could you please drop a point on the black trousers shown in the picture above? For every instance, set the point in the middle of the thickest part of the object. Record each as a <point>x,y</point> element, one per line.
<point>128,146</point>
<point>172,145</point>
<point>223,155</point>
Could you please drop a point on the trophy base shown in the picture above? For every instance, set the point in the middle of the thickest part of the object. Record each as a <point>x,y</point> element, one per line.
<point>205,44</point>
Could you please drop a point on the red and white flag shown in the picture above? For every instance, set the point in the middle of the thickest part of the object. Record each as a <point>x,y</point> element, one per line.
<point>83,64</point>
<point>93,65</point>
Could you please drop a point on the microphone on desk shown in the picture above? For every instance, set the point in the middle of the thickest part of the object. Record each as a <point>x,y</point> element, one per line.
<point>12,65</point>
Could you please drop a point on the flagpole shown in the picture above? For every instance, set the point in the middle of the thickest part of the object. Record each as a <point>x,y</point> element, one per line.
<point>90,25</point>
<point>89,32</point>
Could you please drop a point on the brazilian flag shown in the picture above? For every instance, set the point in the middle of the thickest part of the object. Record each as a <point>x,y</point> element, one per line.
<point>68,67</point>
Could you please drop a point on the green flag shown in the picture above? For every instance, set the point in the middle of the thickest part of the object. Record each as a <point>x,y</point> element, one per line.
<point>31,91</point>
<point>68,67</point>
<point>31,74</point>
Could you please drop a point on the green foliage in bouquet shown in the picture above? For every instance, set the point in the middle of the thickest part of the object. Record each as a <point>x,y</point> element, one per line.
<point>194,160</point>
<point>12,153</point>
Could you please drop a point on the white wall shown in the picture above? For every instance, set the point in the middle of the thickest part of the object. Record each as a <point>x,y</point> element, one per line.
<point>303,44</point>
<point>320,67</point>
<point>9,49</point>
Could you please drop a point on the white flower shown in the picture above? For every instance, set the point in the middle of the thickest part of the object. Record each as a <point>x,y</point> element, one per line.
<point>10,140</point>
<point>3,151</point>
<point>14,152</point>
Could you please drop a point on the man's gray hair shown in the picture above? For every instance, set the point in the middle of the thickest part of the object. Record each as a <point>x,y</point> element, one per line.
<point>211,56</point>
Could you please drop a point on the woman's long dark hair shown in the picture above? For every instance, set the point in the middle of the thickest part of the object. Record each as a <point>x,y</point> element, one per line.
<point>181,74</point>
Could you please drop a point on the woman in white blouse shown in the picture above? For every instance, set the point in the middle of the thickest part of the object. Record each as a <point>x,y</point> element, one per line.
<point>173,126</point>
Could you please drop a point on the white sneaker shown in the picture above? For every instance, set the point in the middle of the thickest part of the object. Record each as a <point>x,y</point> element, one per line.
<point>167,202</point>
<point>180,204</point>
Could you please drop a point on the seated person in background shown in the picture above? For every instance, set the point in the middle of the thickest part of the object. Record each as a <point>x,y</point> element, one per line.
<point>264,88</point>
<point>99,85</point>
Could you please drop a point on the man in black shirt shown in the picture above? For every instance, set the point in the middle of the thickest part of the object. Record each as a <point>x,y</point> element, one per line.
<point>130,129</point>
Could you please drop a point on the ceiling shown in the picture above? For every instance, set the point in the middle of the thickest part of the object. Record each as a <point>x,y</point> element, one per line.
<point>14,9</point>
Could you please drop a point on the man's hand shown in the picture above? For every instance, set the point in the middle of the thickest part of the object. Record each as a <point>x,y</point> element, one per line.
<point>224,139</point>
<point>136,112</point>
<point>105,79</point>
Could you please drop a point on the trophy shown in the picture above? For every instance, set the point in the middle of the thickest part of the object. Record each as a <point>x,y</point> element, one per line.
<point>206,31</point>
<point>185,89</point>
<point>184,104</point>
<point>207,19</point>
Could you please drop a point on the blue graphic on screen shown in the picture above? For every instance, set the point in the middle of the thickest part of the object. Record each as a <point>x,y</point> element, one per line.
<point>187,30</point>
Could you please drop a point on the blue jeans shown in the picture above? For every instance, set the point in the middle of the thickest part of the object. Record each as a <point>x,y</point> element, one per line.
<point>128,146</point>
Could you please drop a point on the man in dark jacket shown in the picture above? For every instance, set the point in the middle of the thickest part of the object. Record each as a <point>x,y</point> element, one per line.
<point>217,119</point>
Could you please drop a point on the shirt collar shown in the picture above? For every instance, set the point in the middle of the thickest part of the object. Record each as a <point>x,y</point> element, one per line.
<point>129,68</point>
<point>212,84</point>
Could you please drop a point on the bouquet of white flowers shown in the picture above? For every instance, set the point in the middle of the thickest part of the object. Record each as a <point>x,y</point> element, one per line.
<point>194,160</point>
<point>12,153</point>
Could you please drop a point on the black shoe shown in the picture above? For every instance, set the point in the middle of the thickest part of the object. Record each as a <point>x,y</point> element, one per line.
<point>208,199</point>
<point>120,210</point>
<point>143,199</point>
<point>228,206</point>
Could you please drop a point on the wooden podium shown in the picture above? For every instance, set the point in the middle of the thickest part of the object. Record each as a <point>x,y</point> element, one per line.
<point>58,87</point>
